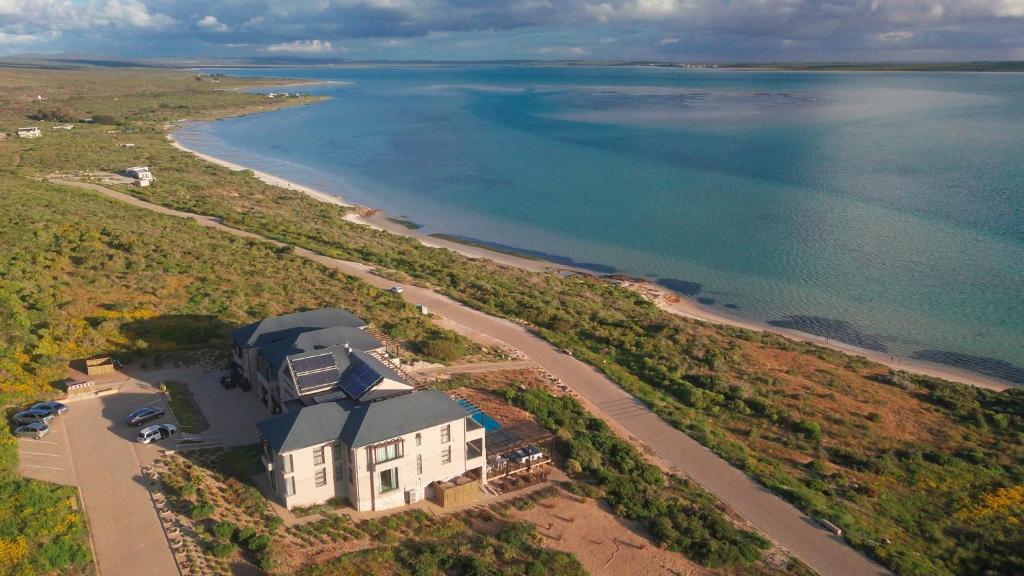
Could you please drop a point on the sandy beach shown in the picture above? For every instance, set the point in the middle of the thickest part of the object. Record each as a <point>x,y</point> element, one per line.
<point>664,298</point>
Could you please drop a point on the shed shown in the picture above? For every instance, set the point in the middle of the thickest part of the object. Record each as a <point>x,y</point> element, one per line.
<point>98,366</point>
<point>457,492</point>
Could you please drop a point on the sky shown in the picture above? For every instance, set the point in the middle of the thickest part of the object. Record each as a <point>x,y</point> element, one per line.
<point>671,30</point>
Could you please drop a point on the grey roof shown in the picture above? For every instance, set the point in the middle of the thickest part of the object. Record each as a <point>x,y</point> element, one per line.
<point>278,328</point>
<point>363,373</point>
<point>301,344</point>
<point>360,424</point>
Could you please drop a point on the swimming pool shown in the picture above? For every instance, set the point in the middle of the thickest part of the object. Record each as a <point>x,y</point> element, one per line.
<point>489,424</point>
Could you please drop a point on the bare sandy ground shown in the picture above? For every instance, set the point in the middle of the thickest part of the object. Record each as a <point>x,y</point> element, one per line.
<point>663,297</point>
<point>603,543</point>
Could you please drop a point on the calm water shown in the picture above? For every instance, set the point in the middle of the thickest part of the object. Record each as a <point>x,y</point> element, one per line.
<point>885,210</point>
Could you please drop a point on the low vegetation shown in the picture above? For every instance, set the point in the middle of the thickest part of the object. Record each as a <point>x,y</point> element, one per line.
<point>679,515</point>
<point>921,474</point>
<point>449,546</point>
<point>184,407</point>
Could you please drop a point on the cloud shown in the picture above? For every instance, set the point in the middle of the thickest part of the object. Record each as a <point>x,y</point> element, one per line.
<point>6,38</point>
<point>211,23</point>
<point>575,51</point>
<point>518,28</point>
<point>896,36</point>
<point>301,47</point>
<point>44,16</point>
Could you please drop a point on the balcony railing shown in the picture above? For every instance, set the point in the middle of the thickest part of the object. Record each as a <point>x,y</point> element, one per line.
<point>474,449</point>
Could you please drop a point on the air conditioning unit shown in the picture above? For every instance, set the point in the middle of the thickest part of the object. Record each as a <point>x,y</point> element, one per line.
<point>412,496</point>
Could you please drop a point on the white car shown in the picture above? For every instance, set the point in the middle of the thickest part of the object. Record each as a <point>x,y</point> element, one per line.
<point>396,290</point>
<point>157,432</point>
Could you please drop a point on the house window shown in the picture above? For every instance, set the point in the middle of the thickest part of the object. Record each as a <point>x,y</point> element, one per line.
<point>387,452</point>
<point>419,464</point>
<point>388,480</point>
<point>321,476</point>
<point>289,486</point>
<point>318,456</point>
<point>336,450</point>
<point>446,455</point>
<point>446,434</point>
<point>286,464</point>
<point>419,439</point>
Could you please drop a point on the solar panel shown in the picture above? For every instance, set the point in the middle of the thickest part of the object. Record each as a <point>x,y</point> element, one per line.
<point>312,363</point>
<point>315,380</point>
<point>358,379</point>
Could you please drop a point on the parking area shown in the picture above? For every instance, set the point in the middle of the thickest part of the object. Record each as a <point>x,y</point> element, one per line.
<point>90,446</point>
<point>231,413</point>
<point>126,532</point>
<point>49,458</point>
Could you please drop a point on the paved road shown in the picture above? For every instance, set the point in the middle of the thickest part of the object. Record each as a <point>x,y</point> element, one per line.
<point>827,554</point>
<point>125,529</point>
<point>48,459</point>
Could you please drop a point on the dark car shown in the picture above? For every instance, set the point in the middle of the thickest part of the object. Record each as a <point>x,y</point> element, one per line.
<point>143,415</point>
<point>32,416</point>
<point>55,408</point>
<point>227,382</point>
<point>34,430</point>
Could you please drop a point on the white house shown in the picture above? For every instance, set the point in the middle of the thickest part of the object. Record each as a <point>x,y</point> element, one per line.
<point>349,426</point>
<point>376,455</point>
<point>141,175</point>
<point>29,132</point>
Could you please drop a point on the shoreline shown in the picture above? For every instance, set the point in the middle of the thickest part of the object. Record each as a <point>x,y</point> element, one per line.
<point>662,297</point>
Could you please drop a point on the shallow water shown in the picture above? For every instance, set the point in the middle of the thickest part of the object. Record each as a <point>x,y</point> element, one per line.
<point>884,210</point>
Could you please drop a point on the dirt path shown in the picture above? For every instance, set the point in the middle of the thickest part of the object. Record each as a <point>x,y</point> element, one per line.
<point>474,368</point>
<point>827,554</point>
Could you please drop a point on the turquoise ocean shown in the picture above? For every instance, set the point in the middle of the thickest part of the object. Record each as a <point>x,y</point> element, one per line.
<point>885,210</point>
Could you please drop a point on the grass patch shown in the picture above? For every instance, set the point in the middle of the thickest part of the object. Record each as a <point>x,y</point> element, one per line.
<point>184,406</point>
<point>241,462</point>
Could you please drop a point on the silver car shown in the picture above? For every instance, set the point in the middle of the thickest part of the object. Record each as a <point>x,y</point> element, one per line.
<point>157,432</point>
<point>33,416</point>
<point>34,430</point>
<point>54,407</point>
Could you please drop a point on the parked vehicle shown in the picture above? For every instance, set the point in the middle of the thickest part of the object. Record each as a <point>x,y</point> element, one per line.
<point>227,382</point>
<point>157,432</point>
<point>34,430</point>
<point>33,416</point>
<point>396,290</point>
<point>52,407</point>
<point>143,415</point>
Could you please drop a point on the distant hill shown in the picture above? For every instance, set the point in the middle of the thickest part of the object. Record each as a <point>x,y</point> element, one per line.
<point>89,60</point>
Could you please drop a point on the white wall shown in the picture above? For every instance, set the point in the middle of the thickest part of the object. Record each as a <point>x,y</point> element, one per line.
<point>364,494</point>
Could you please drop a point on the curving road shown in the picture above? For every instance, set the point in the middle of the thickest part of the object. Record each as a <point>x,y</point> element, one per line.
<point>827,554</point>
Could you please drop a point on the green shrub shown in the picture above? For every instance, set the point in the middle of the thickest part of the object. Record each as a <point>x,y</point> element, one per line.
<point>258,543</point>
<point>809,429</point>
<point>223,549</point>
<point>224,530</point>
<point>187,490</point>
<point>246,534</point>
<point>201,511</point>
<point>519,534</point>
<point>274,522</point>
